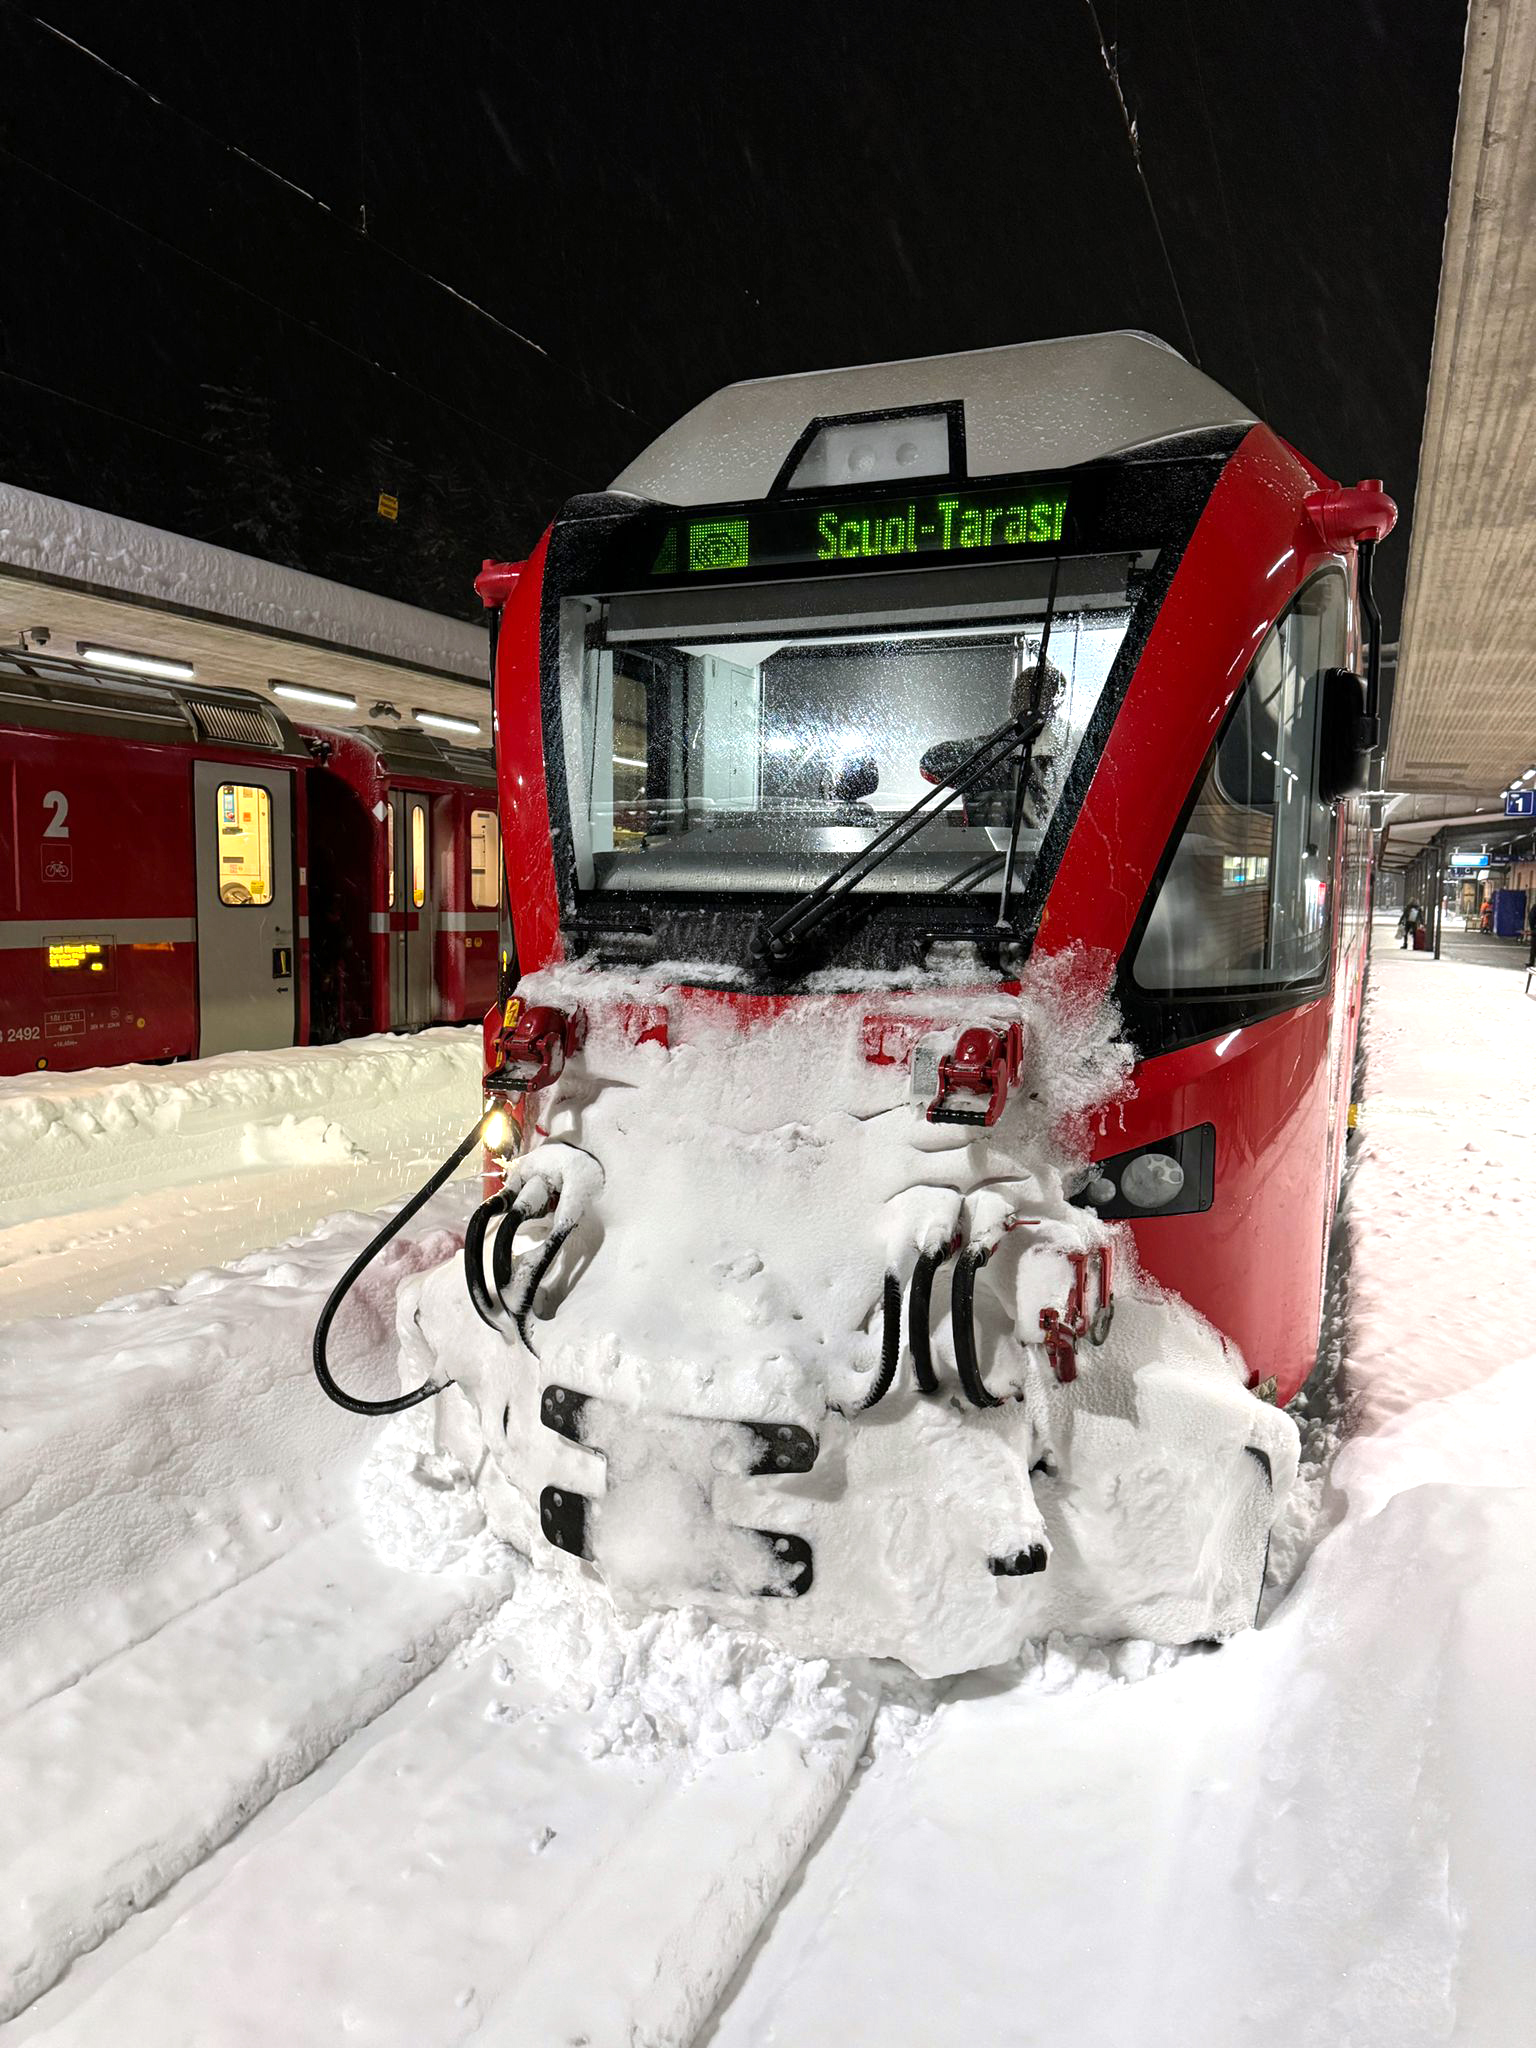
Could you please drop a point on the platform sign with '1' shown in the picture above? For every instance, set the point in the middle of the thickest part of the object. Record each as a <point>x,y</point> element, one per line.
<point>1521,805</point>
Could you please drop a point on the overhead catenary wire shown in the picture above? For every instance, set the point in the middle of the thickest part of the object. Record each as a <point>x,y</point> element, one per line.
<point>285,313</point>
<point>107,412</point>
<point>313,199</point>
<point>1110,54</point>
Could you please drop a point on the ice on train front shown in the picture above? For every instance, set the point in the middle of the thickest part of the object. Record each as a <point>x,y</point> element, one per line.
<point>791,1297</point>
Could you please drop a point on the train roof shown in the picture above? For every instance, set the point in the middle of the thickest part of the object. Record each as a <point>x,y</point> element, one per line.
<point>45,692</point>
<point>402,750</point>
<point>1028,406</point>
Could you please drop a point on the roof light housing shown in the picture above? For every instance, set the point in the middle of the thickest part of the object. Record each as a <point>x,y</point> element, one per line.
<point>444,721</point>
<point>311,693</point>
<point>876,448</point>
<point>123,661</point>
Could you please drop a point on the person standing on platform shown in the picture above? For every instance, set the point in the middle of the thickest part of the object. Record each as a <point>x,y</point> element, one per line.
<point>1409,922</point>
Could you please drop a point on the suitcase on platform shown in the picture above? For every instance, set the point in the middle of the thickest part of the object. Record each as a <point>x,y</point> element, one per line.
<point>1421,938</point>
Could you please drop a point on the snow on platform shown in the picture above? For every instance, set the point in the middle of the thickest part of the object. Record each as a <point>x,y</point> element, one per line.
<point>573,1831</point>
<point>1327,1832</point>
<point>117,1179</point>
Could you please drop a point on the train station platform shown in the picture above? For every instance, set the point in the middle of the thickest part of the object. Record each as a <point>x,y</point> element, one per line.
<point>1482,949</point>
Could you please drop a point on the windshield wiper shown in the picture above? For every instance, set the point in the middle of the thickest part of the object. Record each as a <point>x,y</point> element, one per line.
<point>777,940</point>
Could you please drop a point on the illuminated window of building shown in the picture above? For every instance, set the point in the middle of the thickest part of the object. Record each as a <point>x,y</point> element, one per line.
<point>418,855</point>
<point>389,827</point>
<point>484,860</point>
<point>245,844</point>
<point>1243,870</point>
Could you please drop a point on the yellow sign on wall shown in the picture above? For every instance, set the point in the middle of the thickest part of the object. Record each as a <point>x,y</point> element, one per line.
<point>389,505</point>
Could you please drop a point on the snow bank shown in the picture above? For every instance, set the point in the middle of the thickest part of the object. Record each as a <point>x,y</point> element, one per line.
<point>125,1178</point>
<point>50,537</point>
<point>71,1141</point>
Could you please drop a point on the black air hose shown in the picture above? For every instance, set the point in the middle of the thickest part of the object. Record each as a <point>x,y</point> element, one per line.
<point>963,1325</point>
<point>364,1259</point>
<point>492,1304</point>
<point>919,1312</point>
<point>890,1344</point>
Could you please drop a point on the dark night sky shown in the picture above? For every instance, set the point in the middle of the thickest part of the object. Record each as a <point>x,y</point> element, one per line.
<point>665,198</point>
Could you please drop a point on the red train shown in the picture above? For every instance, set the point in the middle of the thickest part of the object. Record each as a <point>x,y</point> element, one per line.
<point>873,727</point>
<point>722,679</point>
<point>183,871</point>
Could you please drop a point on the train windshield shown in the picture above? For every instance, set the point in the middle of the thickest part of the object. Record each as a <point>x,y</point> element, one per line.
<point>753,754</point>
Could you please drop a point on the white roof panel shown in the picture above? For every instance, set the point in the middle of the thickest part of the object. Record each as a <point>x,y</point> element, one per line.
<point>1029,406</point>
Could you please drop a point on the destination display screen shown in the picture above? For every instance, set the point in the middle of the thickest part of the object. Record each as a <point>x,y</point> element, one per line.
<point>892,532</point>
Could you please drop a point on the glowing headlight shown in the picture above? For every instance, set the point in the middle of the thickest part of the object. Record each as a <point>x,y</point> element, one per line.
<point>1152,1180</point>
<point>496,1134</point>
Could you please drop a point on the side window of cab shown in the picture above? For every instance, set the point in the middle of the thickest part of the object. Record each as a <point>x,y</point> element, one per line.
<point>1244,906</point>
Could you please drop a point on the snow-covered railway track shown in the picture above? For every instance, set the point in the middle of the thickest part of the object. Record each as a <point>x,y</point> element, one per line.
<point>127,1778</point>
<point>452,1876</point>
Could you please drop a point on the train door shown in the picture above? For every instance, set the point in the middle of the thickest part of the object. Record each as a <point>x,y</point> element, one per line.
<point>413,911</point>
<point>247,950</point>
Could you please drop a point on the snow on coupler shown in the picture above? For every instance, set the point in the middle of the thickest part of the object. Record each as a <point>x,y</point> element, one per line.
<point>788,1316</point>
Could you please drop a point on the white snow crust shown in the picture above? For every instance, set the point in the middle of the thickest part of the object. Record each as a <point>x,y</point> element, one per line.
<point>120,1178</point>
<point>49,536</point>
<point>737,1199</point>
<point>625,1827</point>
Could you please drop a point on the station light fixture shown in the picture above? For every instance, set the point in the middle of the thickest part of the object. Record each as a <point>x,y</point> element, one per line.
<point>127,663</point>
<point>309,693</point>
<point>442,721</point>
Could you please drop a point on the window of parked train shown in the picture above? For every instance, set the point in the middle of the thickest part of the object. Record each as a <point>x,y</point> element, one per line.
<point>1245,903</point>
<point>245,844</point>
<point>418,855</point>
<point>484,860</point>
<point>389,851</point>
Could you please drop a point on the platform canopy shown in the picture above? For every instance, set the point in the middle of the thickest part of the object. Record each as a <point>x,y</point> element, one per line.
<point>1464,717</point>
<point>78,584</point>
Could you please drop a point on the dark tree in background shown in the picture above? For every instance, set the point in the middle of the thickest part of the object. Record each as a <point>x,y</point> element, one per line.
<point>264,262</point>
<point>249,497</point>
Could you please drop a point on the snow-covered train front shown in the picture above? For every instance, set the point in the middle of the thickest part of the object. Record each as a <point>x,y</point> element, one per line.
<point>877,742</point>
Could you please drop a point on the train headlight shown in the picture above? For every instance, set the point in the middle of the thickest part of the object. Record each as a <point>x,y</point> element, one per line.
<point>496,1133</point>
<point>1152,1180</point>
<point>1172,1176</point>
<point>895,447</point>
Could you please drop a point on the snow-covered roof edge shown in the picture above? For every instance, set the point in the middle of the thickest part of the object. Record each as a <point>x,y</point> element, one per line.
<point>1029,406</point>
<point>43,536</point>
